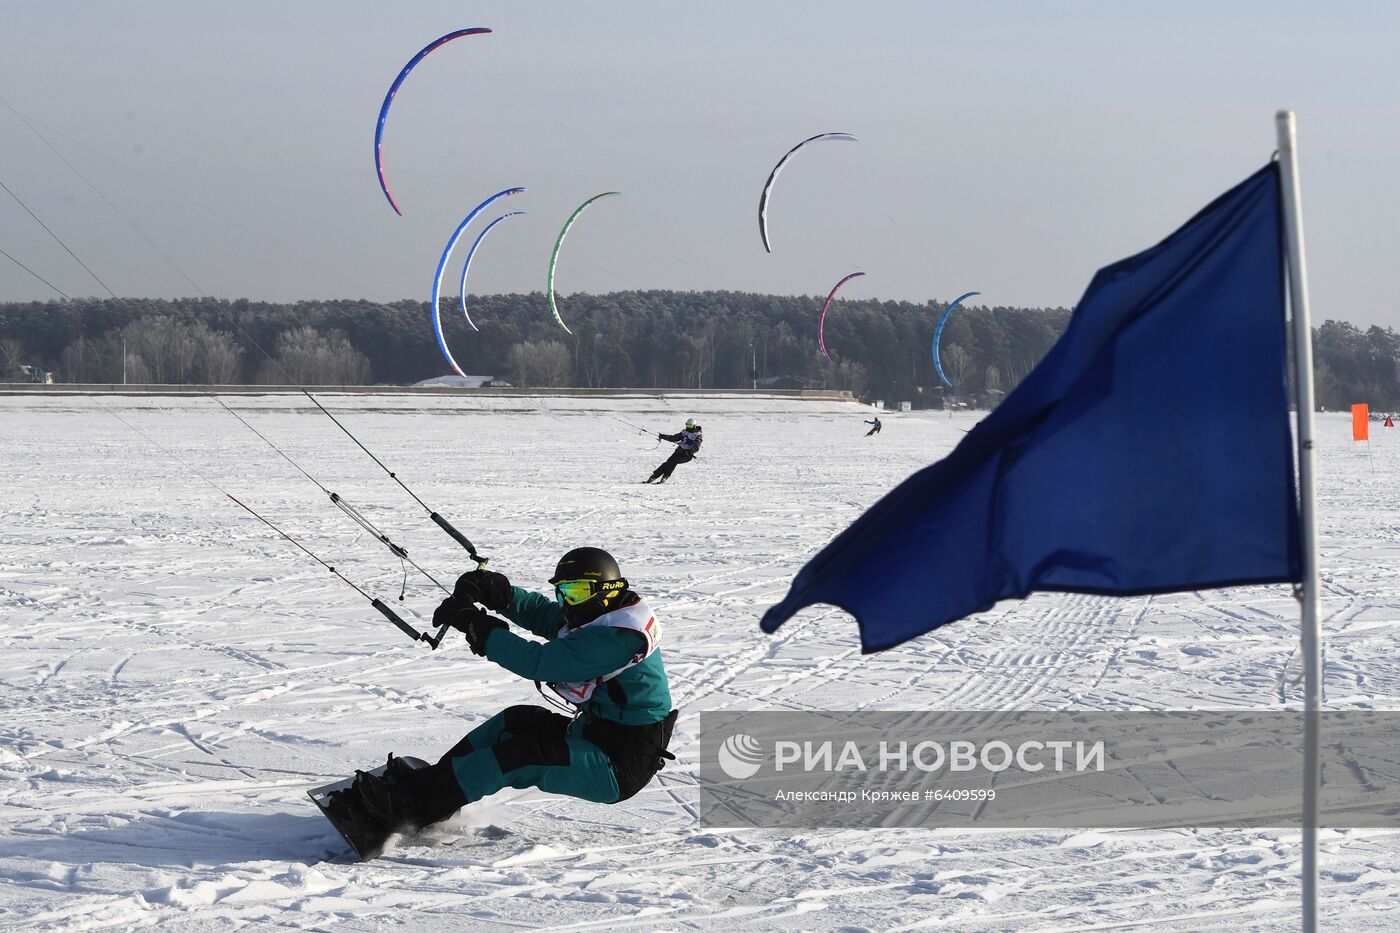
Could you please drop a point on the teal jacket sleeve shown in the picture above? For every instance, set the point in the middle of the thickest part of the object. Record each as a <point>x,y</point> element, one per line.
<point>585,654</point>
<point>534,612</point>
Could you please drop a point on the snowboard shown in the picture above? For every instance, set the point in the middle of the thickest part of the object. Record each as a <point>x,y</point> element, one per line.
<point>321,797</point>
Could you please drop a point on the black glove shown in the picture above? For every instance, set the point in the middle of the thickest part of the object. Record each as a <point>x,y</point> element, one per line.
<point>469,620</point>
<point>486,587</point>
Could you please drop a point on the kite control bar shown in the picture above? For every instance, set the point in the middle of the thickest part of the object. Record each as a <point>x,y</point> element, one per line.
<point>460,538</point>
<point>388,613</point>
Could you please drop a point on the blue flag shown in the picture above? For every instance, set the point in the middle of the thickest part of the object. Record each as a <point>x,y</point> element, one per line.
<point>1149,451</point>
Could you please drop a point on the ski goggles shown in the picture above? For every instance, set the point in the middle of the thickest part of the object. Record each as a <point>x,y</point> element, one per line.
<point>573,592</point>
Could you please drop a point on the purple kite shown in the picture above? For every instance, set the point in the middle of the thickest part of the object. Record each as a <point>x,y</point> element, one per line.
<point>821,340</point>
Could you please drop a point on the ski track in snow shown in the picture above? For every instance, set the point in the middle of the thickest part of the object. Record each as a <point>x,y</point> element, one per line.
<point>173,676</point>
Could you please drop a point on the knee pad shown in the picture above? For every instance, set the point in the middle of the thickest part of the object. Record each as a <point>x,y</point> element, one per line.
<point>520,751</point>
<point>532,720</point>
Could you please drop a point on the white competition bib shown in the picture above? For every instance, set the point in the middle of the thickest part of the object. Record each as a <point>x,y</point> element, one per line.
<point>637,618</point>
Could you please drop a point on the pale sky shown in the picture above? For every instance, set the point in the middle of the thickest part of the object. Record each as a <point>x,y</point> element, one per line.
<point>1011,149</point>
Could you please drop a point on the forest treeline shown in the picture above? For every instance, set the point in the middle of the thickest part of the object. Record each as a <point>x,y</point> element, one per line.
<point>651,339</point>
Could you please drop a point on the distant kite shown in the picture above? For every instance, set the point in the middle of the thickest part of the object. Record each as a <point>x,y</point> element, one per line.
<point>772,176</point>
<point>389,99</point>
<point>467,267</point>
<point>938,335</point>
<point>554,257</point>
<point>442,264</point>
<point>821,324</point>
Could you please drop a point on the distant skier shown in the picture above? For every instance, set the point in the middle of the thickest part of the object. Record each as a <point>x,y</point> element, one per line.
<point>874,430</point>
<point>687,442</point>
<point>1389,422</point>
<point>599,654</point>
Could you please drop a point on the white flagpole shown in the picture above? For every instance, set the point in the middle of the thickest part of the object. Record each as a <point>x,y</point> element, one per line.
<point>1312,633</point>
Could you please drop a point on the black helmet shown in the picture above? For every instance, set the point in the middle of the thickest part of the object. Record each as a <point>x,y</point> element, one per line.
<point>606,585</point>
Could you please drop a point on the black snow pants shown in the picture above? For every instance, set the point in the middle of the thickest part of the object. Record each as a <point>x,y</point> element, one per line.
<point>677,458</point>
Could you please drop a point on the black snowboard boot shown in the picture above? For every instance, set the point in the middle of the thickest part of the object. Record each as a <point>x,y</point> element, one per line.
<point>369,810</point>
<point>362,812</point>
<point>404,799</point>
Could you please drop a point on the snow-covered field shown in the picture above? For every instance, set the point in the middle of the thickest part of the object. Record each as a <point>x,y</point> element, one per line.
<point>173,676</point>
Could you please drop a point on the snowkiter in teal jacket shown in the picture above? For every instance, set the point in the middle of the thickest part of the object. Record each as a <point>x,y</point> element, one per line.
<point>599,654</point>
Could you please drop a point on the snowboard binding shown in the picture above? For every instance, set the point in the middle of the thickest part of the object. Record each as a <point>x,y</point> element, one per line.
<point>364,809</point>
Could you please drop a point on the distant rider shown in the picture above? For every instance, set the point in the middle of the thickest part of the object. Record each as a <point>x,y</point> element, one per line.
<point>687,442</point>
<point>874,430</point>
<point>599,655</point>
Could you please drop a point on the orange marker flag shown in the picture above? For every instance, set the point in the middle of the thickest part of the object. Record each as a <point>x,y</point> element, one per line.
<point>1361,422</point>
